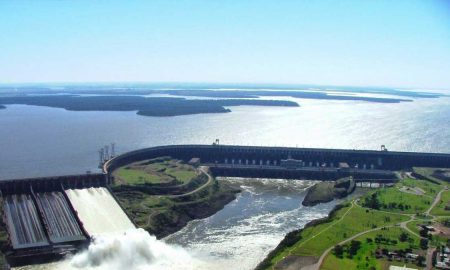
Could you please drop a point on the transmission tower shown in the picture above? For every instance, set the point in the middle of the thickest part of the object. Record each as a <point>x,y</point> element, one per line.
<point>106,152</point>
<point>113,150</point>
<point>101,154</point>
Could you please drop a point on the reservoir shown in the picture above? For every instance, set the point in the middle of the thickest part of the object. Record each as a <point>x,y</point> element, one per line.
<point>41,141</point>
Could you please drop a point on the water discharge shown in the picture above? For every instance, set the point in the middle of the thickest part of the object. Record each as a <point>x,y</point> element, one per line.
<point>98,211</point>
<point>247,229</point>
<point>117,244</point>
<point>239,235</point>
<point>134,249</point>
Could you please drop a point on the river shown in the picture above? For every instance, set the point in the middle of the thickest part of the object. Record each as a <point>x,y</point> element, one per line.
<point>247,229</point>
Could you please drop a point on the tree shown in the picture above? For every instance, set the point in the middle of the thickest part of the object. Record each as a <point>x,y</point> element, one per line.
<point>403,237</point>
<point>338,251</point>
<point>424,232</point>
<point>354,247</point>
<point>421,260</point>
<point>423,243</point>
<point>372,201</point>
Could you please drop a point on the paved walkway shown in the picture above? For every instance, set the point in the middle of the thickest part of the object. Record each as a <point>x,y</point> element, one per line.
<point>429,258</point>
<point>317,265</point>
<point>435,202</point>
<point>210,179</point>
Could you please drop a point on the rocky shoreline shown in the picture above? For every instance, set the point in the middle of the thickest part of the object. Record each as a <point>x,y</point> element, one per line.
<point>191,212</point>
<point>167,218</point>
<point>327,191</point>
<point>293,237</point>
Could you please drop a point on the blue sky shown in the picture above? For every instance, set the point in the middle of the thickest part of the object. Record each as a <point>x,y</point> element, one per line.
<point>374,43</point>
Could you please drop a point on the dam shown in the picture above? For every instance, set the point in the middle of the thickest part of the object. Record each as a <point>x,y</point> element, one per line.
<point>49,217</point>
<point>270,162</point>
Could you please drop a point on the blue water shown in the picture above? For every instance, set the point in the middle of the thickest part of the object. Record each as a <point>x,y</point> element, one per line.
<point>41,141</point>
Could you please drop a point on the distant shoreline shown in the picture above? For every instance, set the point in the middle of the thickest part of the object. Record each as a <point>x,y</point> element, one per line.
<point>175,102</point>
<point>153,106</point>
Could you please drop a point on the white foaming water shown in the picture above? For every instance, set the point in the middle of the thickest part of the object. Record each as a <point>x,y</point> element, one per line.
<point>133,249</point>
<point>247,229</point>
<point>98,211</point>
<point>117,244</point>
<point>237,237</point>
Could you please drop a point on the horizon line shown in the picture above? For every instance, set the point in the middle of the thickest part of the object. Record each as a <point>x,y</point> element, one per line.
<point>68,83</point>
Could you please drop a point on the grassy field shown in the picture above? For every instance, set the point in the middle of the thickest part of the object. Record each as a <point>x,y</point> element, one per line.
<point>348,221</point>
<point>431,189</point>
<point>155,171</point>
<point>414,225</point>
<point>161,215</point>
<point>412,203</point>
<point>184,194</point>
<point>408,196</point>
<point>365,257</point>
<point>396,200</point>
<point>439,209</point>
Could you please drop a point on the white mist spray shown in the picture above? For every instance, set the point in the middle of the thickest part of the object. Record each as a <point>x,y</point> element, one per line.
<point>133,249</point>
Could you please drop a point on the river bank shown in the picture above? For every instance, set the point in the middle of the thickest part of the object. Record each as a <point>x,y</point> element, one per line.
<point>248,228</point>
<point>329,190</point>
<point>291,239</point>
<point>382,221</point>
<point>162,195</point>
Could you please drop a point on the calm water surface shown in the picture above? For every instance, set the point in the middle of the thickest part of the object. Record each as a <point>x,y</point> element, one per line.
<point>40,141</point>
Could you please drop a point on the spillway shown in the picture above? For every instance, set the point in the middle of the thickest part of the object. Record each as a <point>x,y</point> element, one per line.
<point>23,222</point>
<point>61,223</point>
<point>98,211</point>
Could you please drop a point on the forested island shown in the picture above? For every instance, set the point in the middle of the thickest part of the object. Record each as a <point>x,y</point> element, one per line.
<point>147,106</point>
<point>153,101</point>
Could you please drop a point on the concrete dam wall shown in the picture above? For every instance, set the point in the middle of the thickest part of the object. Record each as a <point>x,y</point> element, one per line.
<point>23,222</point>
<point>60,221</point>
<point>272,156</point>
<point>41,221</point>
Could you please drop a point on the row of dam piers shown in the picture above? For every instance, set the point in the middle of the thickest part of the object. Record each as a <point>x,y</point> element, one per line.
<point>49,218</point>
